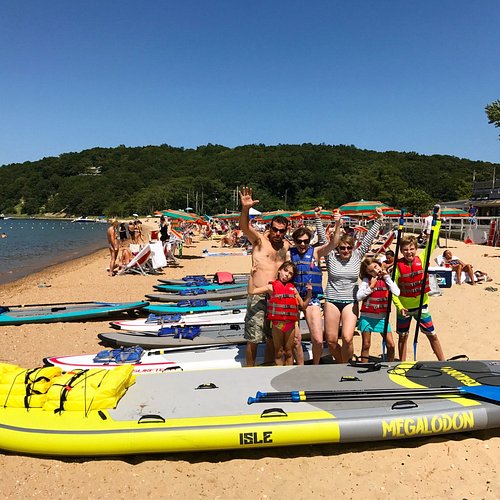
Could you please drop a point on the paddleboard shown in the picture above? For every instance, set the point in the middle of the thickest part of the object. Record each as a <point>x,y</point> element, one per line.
<point>209,307</point>
<point>68,311</point>
<point>158,361</point>
<point>210,410</point>
<point>237,293</point>
<point>238,278</point>
<point>155,323</point>
<point>212,287</point>
<point>211,334</point>
<point>223,254</point>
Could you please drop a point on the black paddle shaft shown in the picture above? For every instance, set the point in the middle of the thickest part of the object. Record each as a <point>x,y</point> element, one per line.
<point>396,252</point>
<point>424,279</point>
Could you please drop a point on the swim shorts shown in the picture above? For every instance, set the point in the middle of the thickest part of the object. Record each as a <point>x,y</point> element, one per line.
<point>426,325</point>
<point>372,325</point>
<point>257,326</point>
<point>283,326</point>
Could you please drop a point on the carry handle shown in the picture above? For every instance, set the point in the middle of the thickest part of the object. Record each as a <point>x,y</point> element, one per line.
<point>273,412</point>
<point>151,419</point>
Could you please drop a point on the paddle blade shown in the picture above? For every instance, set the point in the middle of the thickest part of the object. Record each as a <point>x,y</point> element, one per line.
<point>489,392</point>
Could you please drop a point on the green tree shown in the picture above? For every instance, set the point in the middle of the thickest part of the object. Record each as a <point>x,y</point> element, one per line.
<point>416,200</point>
<point>493,112</point>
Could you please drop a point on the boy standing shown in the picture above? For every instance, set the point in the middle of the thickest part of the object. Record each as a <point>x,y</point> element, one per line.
<point>409,277</point>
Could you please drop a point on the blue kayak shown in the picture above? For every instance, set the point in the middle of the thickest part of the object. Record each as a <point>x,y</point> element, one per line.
<point>68,311</point>
<point>208,306</point>
<point>212,287</point>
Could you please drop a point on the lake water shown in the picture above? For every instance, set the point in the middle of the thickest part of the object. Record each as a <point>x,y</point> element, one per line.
<point>34,244</point>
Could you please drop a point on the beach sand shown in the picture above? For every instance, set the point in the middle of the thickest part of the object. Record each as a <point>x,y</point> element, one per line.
<point>456,466</point>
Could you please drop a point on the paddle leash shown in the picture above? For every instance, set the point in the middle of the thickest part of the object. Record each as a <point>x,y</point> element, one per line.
<point>389,298</point>
<point>424,280</point>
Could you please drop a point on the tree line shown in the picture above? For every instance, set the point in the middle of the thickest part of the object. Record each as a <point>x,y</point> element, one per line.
<point>123,180</point>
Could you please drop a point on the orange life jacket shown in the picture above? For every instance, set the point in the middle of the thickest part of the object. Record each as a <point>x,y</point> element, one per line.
<point>410,278</point>
<point>282,305</point>
<point>378,301</point>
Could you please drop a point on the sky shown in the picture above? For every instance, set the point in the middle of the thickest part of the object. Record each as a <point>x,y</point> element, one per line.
<point>400,75</point>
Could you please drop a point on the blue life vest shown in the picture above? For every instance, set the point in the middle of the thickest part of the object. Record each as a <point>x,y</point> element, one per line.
<point>307,271</point>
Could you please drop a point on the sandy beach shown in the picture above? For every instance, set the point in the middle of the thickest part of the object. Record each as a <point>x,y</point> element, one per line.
<point>458,466</point>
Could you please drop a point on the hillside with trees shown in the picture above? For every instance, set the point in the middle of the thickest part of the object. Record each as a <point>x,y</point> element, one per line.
<point>123,180</point>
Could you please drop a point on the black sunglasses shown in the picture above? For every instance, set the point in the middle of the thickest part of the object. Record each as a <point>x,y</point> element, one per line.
<point>345,248</point>
<point>276,230</point>
<point>302,242</point>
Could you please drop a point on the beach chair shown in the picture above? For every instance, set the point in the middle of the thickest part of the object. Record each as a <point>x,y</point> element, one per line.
<point>389,238</point>
<point>158,258</point>
<point>140,264</point>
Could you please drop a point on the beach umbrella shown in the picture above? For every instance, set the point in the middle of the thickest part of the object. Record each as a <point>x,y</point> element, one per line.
<point>311,214</point>
<point>288,215</point>
<point>362,207</point>
<point>232,216</point>
<point>454,212</point>
<point>180,215</point>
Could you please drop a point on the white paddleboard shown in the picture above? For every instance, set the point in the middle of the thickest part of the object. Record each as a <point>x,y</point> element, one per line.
<point>187,359</point>
<point>208,318</point>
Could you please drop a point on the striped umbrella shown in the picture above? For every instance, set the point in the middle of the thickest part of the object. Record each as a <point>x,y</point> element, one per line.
<point>233,216</point>
<point>362,207</point>
<point>180,215</point>
<point>288,215</point>
<point>453,212</point>
<point>311,214</point>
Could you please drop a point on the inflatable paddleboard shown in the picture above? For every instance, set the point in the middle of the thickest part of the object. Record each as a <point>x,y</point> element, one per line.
<point>158,361</point>
<point>237,278</point>
<point>155,322</point>
<point>213,287</point>
<point>184,336</point>
<point>193,308</point>
<point>69,311</point>
<point>210,410</point>
<point>237,293</point>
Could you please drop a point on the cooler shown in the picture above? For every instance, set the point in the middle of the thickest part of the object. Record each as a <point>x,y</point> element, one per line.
<point>443,276</point>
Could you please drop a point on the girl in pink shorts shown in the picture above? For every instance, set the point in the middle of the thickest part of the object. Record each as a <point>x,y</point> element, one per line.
<point>283,311</point>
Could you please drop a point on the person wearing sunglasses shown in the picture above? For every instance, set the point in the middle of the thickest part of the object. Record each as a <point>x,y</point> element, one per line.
<point>341,305</point>
<point>307,258</point>
<point>269,252</point>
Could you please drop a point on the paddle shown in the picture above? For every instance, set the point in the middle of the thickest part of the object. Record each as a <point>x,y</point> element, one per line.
<point>424,280</point>
<point>488,392</point>
<point>394,266</point>
<point>52,304</point>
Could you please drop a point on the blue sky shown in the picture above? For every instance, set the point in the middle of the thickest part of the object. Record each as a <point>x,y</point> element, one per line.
<point>384,74</point>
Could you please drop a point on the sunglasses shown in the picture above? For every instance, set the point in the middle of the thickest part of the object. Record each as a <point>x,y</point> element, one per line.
<point>302,242</point>
<point>345,248</point>
<point>279,231</point>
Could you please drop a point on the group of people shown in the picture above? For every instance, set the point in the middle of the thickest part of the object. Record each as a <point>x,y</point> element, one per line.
<point>287,277</point>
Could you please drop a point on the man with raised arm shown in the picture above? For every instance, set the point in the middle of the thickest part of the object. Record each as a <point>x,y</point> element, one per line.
<point>268,253</point>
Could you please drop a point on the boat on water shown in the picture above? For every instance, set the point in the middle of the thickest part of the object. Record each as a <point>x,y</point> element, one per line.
<point>88,219</point>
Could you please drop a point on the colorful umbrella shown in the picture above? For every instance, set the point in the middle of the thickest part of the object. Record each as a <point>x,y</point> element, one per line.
<point>180,215</point>
<point>362,207</point>
<point>233,216</point>
<point>451,212</point>
<point>288,215</point>
<point>311,214</point>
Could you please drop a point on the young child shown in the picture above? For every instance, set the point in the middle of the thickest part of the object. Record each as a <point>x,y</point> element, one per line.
<point>409,277</point>
<point>374,292</point>
<point>283,311</point>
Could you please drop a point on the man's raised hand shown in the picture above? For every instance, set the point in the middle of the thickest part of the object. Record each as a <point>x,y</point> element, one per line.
<point>246,197</point>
